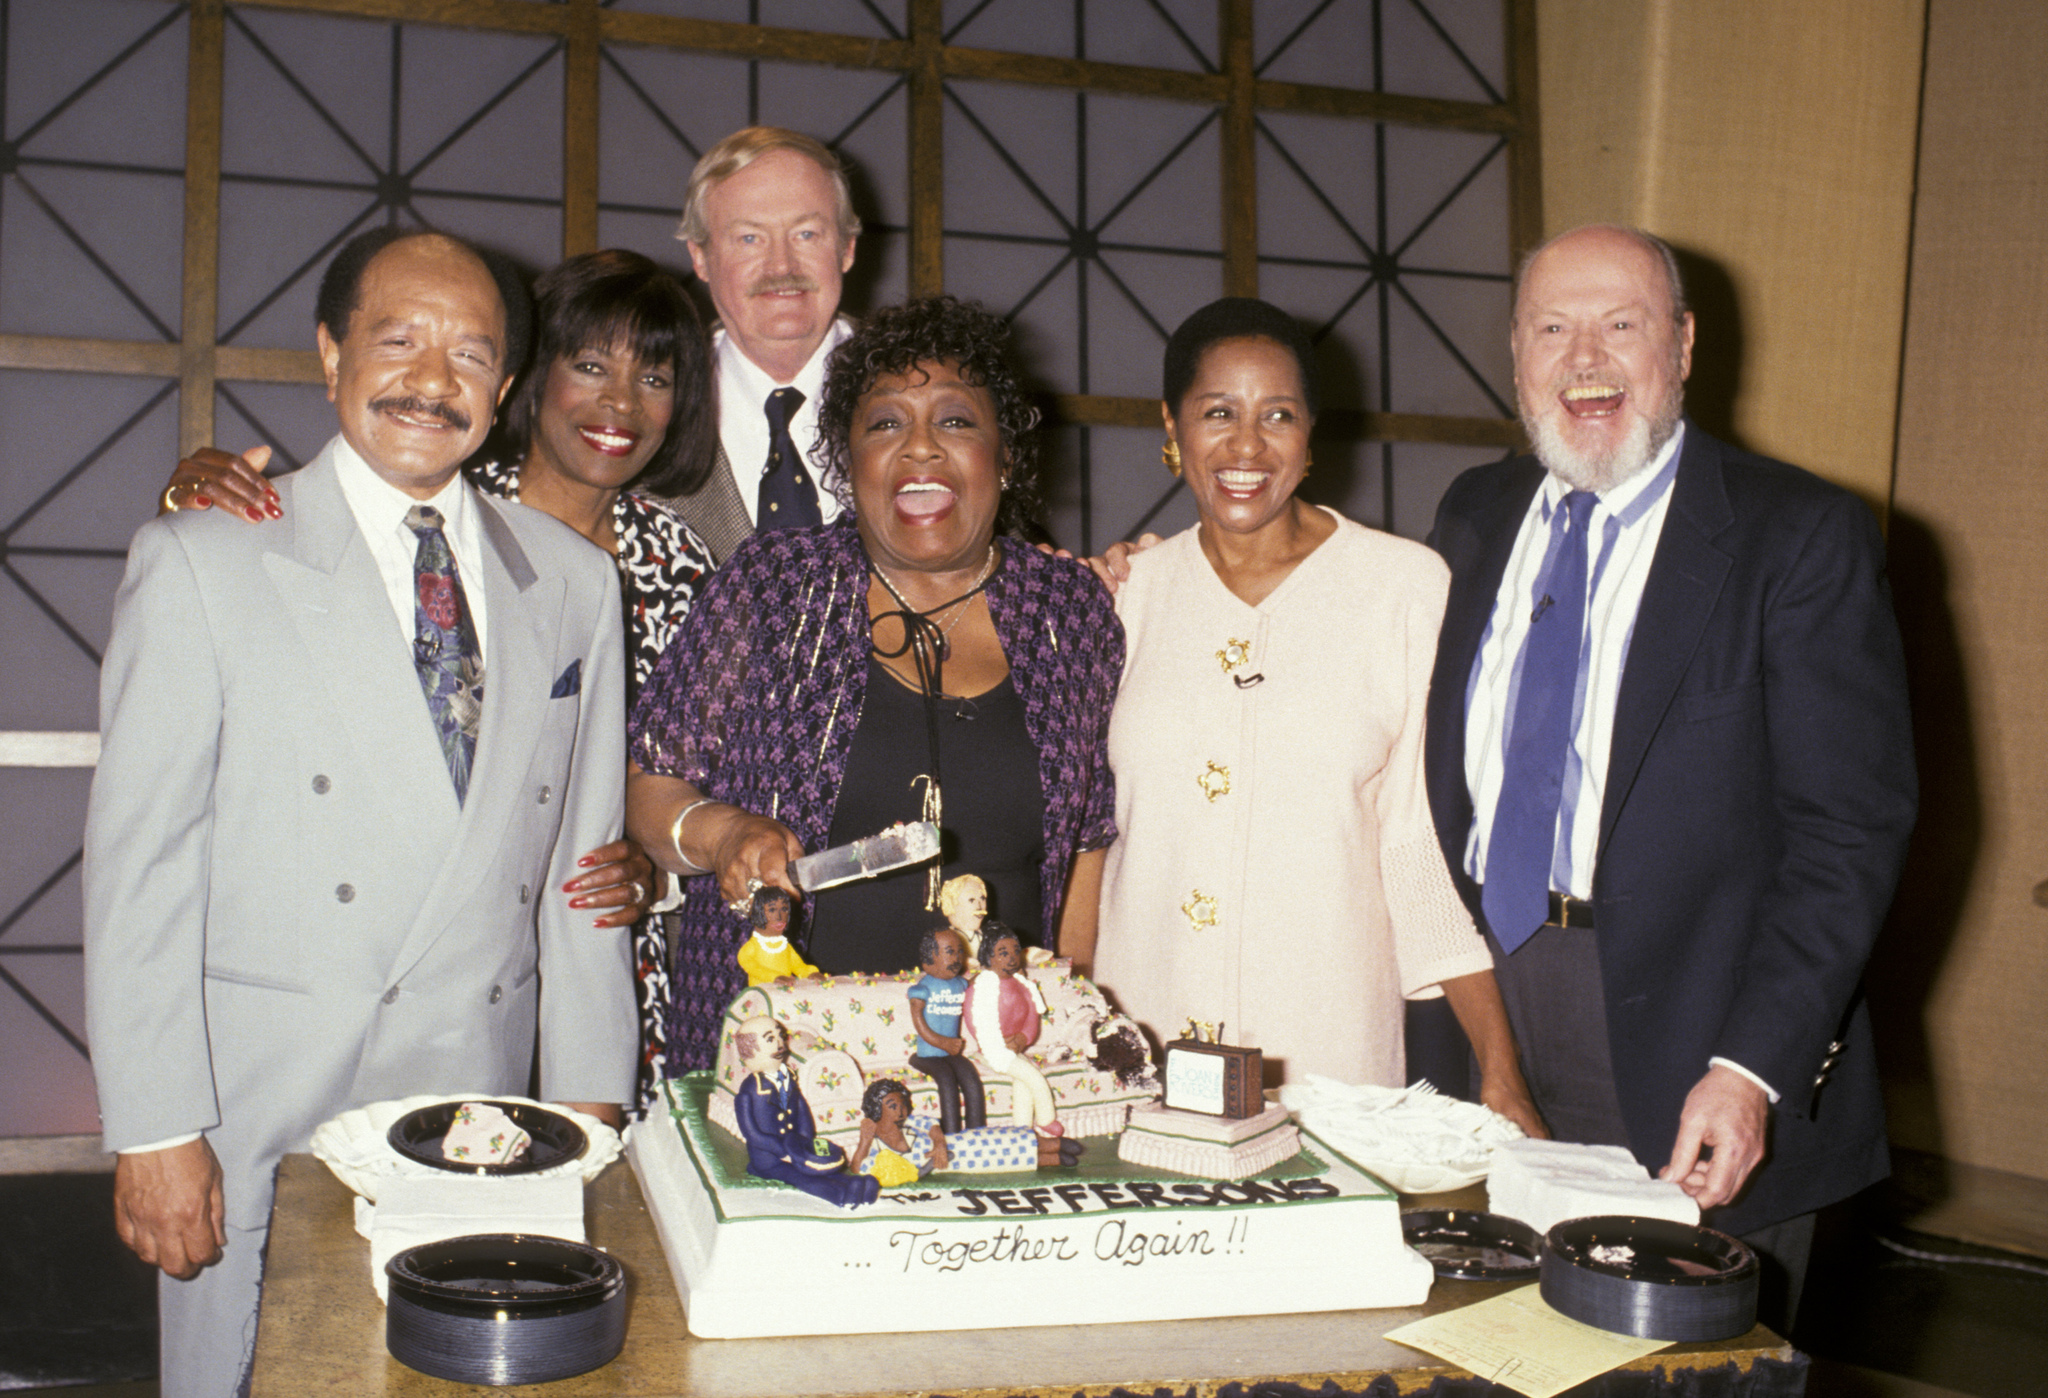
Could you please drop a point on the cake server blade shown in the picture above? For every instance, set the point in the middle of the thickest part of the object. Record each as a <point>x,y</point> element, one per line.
<point>895,848</point>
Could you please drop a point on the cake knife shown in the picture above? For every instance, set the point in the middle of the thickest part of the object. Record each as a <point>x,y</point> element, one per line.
<point>895,848</point>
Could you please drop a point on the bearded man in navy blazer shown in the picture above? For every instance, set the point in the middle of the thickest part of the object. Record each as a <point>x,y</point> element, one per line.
<point>1671,762</point>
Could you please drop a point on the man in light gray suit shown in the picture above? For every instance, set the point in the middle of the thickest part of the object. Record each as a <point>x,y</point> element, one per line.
<point>349,757</point>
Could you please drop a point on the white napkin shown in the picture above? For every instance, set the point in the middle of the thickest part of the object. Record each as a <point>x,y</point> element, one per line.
<point>1542,1183</point>
<point>409,1212</point>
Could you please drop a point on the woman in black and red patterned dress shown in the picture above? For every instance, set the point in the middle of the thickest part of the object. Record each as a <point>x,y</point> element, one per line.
<point>616,411</point>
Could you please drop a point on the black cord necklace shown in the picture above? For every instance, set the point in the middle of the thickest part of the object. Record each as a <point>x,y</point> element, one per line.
<point>928,648</point>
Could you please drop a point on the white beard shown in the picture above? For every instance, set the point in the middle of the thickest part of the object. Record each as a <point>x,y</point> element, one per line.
<point>1601,470</point>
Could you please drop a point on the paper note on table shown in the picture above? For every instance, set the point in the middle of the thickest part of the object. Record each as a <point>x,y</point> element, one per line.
<point>1521,1343</point>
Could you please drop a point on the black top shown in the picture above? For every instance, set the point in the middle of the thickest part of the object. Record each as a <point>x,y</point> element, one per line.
<point>992,825</point>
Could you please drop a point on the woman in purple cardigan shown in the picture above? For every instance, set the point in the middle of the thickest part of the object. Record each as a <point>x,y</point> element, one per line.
<point>907,663</point>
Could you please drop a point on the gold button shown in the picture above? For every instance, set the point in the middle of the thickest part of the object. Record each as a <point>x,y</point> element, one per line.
<point>1234,654</point>
<point>1214,781</point>
<point>1202,910</point>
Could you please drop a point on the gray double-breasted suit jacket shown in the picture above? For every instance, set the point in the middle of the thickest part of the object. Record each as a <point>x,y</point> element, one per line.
<point>287,912</point>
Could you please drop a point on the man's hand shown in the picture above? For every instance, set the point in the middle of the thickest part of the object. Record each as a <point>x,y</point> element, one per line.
<point>210,477</point>
<point>168,1207</point>
<point>1728,1114</point>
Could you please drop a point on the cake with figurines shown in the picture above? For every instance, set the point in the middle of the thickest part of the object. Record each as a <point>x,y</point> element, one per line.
<point>899,1152</point>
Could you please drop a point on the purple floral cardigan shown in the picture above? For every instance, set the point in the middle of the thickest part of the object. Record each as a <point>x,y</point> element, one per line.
<point>757,699</point>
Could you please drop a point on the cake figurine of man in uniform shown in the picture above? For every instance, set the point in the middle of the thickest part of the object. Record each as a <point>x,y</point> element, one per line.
<point>1005,1010</point>
<point>937,1002</point>
<point>775,1122</point>
<point>768,954</point>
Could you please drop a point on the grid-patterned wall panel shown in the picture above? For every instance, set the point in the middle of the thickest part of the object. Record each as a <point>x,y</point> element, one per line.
<point>1094,168</point>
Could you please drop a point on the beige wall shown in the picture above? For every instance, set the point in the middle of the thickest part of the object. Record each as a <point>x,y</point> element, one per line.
<point>1773,138</point>
<point>1971,568</point>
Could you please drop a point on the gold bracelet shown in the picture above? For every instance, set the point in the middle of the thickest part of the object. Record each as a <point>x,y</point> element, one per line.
<point>675,833</point>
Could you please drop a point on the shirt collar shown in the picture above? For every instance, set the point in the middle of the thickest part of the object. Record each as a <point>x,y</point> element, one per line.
<point>1632,499</point>
<point>375,500</point>
<point>744,374</point>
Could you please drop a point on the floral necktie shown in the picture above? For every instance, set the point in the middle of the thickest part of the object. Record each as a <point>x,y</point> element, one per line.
<point>444,647</point>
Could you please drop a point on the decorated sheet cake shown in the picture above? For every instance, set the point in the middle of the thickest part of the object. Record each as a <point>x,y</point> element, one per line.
<point>1099,1241</point>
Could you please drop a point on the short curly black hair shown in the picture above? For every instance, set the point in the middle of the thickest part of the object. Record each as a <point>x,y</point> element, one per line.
<point>877,1093</point>
<point>933,330</point>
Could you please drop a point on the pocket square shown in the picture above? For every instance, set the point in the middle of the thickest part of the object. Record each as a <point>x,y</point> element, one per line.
<point>570,682</point>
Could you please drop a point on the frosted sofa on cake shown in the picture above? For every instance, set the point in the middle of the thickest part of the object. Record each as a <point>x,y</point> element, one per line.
<point>848,1031</point>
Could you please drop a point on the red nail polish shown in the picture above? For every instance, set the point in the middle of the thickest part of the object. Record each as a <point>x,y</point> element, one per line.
<point>579,902</point>
<point>256,515</point>
<point>205,501</point>
<point>585,862</point>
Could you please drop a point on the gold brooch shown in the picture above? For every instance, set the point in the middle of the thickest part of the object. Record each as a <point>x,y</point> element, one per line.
<point>1215,782</point>
<point>1234,654</point>
<point>1201,911</point>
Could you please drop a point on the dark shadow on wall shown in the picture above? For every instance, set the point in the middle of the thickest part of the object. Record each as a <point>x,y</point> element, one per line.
<point>1947,840</point>
<point>1718,339</point>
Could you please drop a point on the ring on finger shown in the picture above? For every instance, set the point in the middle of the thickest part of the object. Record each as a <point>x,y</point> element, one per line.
<point>639,892</point>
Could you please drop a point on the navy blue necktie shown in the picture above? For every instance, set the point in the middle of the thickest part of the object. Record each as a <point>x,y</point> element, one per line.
<point>1515,890</point>
<point>787,499</point>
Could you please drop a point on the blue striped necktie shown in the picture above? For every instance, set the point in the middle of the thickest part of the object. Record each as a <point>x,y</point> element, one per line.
<point>1515,893</point>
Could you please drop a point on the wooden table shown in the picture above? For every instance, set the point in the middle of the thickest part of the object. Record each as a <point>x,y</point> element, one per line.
<point>323,1331</point>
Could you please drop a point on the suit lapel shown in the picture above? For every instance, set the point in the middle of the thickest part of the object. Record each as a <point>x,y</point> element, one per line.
<point>354,651</point>
<point>523,619</point>
<point>1685,582</point>
<point>716,511</point>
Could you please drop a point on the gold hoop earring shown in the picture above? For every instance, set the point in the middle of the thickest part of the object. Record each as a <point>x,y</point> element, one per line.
<point>1169,455</point>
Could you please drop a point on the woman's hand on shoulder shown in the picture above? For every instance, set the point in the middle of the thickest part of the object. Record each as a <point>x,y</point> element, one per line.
<point>210,477</point>
<point>1113,565</point>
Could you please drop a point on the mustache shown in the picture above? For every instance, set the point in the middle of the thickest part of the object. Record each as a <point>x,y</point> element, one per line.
<point>424,407</point>
<point>790,281</point>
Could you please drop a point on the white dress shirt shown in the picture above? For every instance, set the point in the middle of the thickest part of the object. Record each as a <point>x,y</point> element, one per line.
<point>1623,530</point>
<point>743,389</point>
<point>380,509</point>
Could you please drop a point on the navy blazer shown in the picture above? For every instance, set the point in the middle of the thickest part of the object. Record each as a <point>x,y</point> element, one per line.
<point>1760,792</point>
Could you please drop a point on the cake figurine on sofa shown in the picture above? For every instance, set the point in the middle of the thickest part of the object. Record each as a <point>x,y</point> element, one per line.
<point>768,954</point>
<point>847,1031</point>
<point>1005,1011</point>
<point>938,1002</point>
